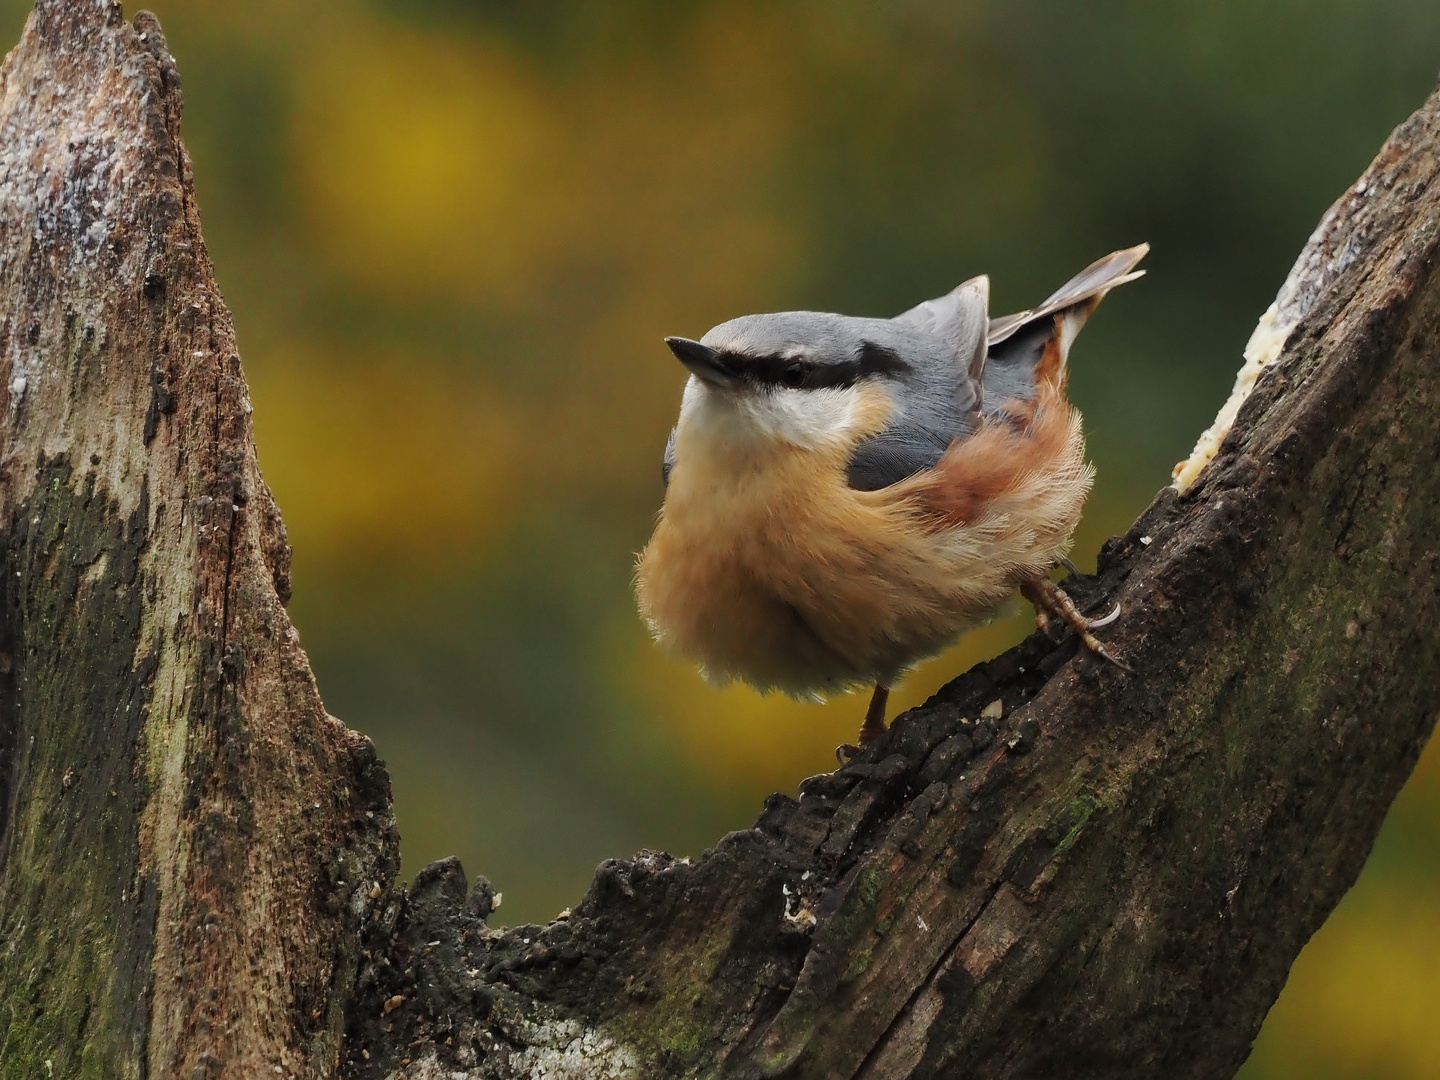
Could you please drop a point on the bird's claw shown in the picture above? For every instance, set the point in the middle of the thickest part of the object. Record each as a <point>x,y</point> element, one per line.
<point>1096,624</point>
<point>1100,651</point>
<point>1050,600</point>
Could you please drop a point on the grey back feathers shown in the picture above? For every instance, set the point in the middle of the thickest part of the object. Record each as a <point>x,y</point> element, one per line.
<point>1004,363</point>
<point>1011,365</point>
<point>948,360</point>
<point>960,318</point>
<point>937,396</point>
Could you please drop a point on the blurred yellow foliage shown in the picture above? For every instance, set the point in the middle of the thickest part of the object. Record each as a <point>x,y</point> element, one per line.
<point>431,163</point>
<point>605,209</point>
<point>1361,999</point>
<point>372,460</point>
<point>768,742</point>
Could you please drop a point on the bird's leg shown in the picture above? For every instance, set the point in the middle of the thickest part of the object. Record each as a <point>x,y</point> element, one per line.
<point>1049,599</point>
<point>871,729</point>
<point>874,725</point>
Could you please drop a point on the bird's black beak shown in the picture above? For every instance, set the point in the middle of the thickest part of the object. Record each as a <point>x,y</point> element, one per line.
<point>704,362</point>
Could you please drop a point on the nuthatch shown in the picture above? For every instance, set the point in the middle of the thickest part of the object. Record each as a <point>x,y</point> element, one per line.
<point>845,496</point>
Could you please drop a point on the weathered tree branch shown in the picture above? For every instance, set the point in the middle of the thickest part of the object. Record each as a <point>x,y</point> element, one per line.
<point>1109,878</point>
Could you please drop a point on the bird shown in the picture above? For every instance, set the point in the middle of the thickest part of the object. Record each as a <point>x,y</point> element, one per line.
<point>845,496</point>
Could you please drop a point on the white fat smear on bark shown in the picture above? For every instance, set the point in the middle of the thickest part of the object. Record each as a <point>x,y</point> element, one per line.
<point>1336,243</point>
<point>1261,351</point>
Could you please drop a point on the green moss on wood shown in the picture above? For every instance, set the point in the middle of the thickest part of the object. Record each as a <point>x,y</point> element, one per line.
<point>77,921</point>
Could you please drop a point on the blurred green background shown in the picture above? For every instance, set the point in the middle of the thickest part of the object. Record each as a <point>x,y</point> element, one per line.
<point>453,234</point>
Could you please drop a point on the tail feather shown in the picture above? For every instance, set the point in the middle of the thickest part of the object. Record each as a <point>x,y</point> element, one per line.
<point>1099,277</point>
<point>1032,347</point>
<point>1093,282</point>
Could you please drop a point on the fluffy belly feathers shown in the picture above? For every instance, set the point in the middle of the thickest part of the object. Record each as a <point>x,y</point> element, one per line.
<point>774,571</point>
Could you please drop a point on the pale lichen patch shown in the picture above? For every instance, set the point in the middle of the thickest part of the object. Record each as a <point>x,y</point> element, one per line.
<point>556,1050</point>
<point>566,1050</point>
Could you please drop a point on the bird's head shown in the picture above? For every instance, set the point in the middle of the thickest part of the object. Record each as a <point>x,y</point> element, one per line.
<point>800,377</point>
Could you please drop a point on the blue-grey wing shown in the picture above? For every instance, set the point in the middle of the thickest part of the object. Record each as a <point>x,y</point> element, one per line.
<point>997,361</point>
<point>960,318</point>
<point>898,452</point>
<point>668,461</point>
<point>933,411</point>
<point>939,398</point>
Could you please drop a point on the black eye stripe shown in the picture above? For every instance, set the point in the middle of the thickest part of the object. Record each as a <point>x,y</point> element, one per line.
<point>877,359</point>
<point>779,370</point>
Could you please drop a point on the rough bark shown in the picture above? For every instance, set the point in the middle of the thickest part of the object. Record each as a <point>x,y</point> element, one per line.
<point>189,841</point>
<point>1054,868</point>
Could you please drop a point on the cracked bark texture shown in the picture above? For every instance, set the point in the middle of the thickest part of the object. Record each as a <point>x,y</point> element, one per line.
<point>189,841</point>
<point>1053,868</point>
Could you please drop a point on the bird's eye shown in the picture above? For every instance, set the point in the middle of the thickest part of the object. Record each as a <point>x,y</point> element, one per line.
<point>793,375</point>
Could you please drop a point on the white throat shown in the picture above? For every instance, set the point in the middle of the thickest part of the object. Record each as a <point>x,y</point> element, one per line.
<point>755,420</point>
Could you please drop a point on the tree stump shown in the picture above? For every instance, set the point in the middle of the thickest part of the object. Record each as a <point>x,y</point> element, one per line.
<point>1053,868</point>
<point>190,843</point>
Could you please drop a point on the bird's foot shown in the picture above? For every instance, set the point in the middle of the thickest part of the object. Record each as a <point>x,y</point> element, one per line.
<point>1042,621</point>
<point>1049,599</point>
